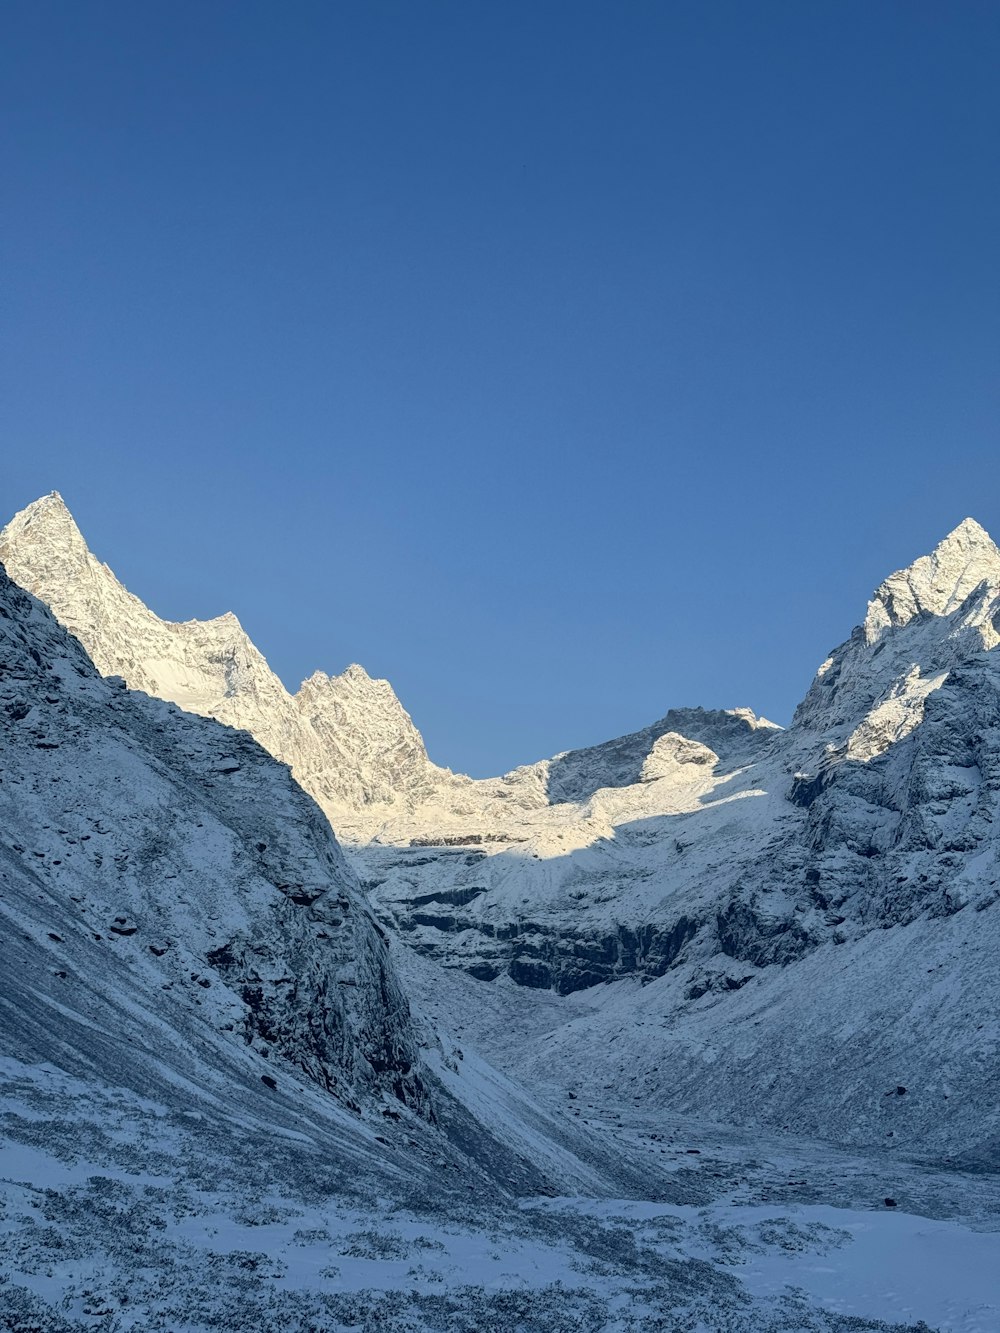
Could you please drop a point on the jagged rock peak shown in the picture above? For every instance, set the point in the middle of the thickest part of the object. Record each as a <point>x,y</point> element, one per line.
<point>48,526</point>
<point>53,503</point>
<point>937,583</point>
<point>205,666</point>
<point>360,719</point>
<point>228,620</point>
<point>354,683</point>
<point>356,672</point>
<point>51,507</point>
<point>46,536</point>
<point>353,675</point>
<point>348,739</point>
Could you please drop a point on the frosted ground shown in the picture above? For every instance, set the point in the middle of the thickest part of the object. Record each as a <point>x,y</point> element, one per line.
<point>127,1213</point>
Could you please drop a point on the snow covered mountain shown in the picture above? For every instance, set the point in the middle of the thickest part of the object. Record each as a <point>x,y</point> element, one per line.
<point>229,1099</point>
<point>777,903</point>
<point>347,738</point>
<point>216,1112</point>
<point>808,923</point>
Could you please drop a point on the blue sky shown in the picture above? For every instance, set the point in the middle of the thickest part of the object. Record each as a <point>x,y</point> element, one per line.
<point>562,362</point>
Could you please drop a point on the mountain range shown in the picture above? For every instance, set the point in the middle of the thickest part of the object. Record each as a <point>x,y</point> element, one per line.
<point>715,920</point>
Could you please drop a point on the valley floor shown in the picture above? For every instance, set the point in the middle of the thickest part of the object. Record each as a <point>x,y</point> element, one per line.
<point>122,1213</point>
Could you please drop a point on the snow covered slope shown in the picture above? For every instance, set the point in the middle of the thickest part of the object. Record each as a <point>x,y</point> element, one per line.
<point>153,865</point>
<point>253,1213</point>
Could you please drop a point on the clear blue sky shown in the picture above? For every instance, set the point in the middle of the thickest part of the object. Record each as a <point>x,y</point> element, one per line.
<point>562,362</point>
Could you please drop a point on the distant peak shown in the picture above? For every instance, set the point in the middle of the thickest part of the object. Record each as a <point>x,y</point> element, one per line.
<point>47,527</point>
<point>52,498</point>
<point>969,534</point>
<point>754,721</point>
<point>47,508</point>
<point>227,623</point>
<point>937,583</point>
<point>354,676</point>
<point>317,678</point>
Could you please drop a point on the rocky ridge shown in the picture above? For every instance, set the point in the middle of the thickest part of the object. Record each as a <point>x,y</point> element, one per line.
<point>347,738</point>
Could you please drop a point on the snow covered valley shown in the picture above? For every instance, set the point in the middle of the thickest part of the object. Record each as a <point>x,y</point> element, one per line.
<point>697,1030</point>
<point>122,1212</point>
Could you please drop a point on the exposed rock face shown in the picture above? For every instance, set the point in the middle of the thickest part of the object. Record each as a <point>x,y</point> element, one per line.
<point>670,752</point>
<point>583,891</point>
<point>364,738</point>
<point>684,736</point>
<point>158,851</point>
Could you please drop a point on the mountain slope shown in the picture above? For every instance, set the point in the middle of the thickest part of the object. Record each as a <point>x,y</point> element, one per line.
<point>814,929</point>
<point>150,853</point>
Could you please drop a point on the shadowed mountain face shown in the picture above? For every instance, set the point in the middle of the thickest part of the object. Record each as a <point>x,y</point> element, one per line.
<point>155,863</point>
<point>760,884</point>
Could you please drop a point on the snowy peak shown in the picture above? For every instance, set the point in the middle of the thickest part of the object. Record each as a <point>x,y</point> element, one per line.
<point>732,736</point>
<point>48,511</point>
<point>365,734</point>
<point>49,531</point>
<point>921,623</point>
<point>354,688</point>
<point>354,681</point>
<point>937,583</point>
<point>348,739</point>
<point>206,666</point>
<point>354,748</point>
